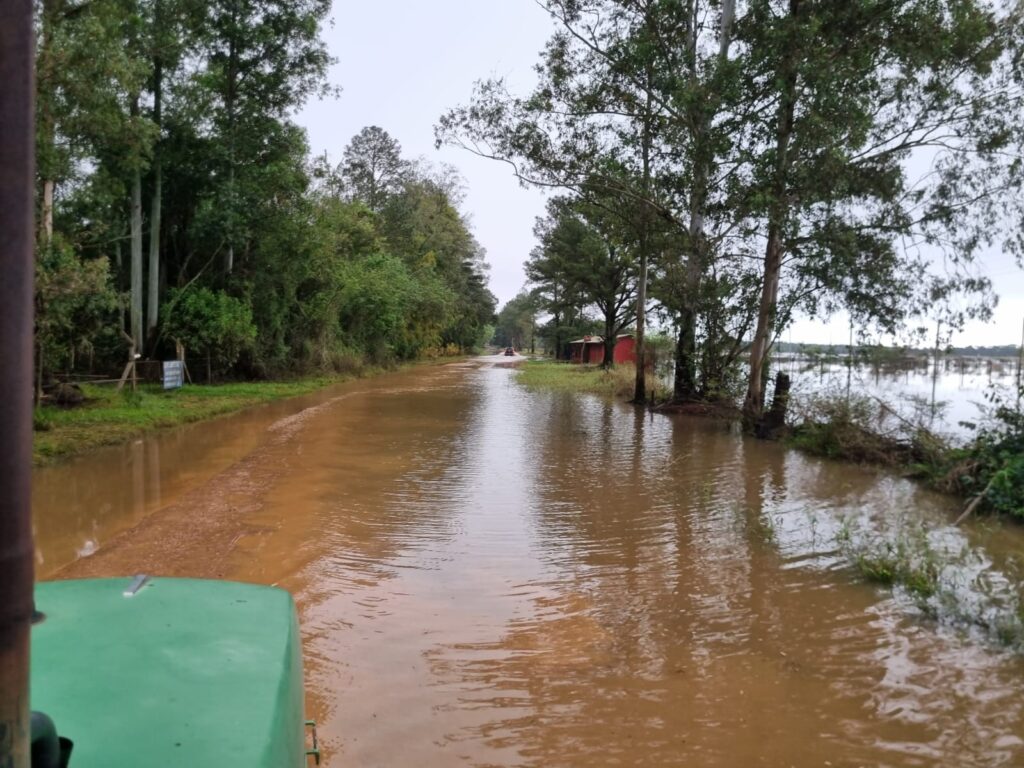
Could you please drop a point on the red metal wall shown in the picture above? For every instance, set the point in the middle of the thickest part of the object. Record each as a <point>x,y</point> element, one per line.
<point>592,352</point>
<point>625,350</point>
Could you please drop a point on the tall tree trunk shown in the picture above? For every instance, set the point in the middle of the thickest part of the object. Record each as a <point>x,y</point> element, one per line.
<point>229,106</point>
<point>753,405</point>
<point>229,257</point>
<point>47,128</point>
<point>46,215</point>
<point>136,248</point>
<point>609,341</point>
<point>153,294</point>
<point>153,291</point>
<point>643,245</point>
<point>640,383</point>
<point>685,385</point>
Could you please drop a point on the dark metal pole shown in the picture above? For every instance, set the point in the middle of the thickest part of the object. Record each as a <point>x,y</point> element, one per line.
<point>17,174</point>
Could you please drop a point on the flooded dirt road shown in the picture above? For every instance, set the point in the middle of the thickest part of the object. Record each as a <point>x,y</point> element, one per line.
<point>490,576</point>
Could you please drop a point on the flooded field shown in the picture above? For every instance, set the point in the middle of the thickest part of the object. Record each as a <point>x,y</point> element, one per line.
<point>940,397</point>
<point>489,576</point>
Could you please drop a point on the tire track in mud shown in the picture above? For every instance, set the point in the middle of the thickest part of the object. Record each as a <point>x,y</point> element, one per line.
<point>195,535</point>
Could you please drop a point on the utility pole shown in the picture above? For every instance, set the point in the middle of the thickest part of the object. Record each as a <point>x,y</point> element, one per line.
<point>17,176</point>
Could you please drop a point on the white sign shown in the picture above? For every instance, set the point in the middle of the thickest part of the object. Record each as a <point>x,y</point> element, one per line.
<point>174,374</point>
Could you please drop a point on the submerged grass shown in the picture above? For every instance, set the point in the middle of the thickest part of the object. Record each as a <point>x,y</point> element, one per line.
<point>565,377</point>
<point>108,417</point>
<point>907,560</point>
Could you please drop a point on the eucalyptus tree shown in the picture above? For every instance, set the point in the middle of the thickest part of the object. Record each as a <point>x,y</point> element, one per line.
<point>262,59</point>
<point>172,29</point>
<point>636,98</point>
<point>848,98</point>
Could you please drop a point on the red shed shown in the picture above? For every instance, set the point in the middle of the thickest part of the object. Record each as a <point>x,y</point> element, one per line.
<point>590,350</point>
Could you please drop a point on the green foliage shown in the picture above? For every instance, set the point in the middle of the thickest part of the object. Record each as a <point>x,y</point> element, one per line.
<point>762,158</point>
<point>907,560</point>
<point>261,258</point>
<point>517,322</point>
<point>990,468</point>
<point>212,322</point>
<point>74,302</point>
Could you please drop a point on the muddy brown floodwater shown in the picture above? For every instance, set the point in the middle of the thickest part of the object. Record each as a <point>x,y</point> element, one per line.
<point>491,576</point>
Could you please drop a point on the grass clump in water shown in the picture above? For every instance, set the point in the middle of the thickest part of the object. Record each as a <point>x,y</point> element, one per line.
<point>892,568</point>
<point>907,561</point>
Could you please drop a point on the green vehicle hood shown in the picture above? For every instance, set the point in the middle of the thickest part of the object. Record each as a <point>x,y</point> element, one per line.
<point>182,673</point>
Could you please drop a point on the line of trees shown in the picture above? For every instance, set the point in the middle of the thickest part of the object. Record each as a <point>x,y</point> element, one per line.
<point>755,159</point>
<point>177,200</point>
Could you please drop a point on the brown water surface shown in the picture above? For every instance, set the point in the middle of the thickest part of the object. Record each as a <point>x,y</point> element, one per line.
<point>490,576</point>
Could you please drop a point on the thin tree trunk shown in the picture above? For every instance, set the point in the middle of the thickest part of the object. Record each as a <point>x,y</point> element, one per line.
<point>644,244</point>
<point>136,249</point>
<point>609,341</point>
<point>46,219</point>
<point>685,385</point>
<point>229,104</point>
<point>47,121</point>
<point>153,293</point>
<point>153,296</point>
<point>39,373</point>
<point>640,384</point>
<point>753,406</point>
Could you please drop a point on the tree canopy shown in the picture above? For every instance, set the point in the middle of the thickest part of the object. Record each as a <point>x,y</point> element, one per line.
<point>776,157</point>
<point>168,124</point>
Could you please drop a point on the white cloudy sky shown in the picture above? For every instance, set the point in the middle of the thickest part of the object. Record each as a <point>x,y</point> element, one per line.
<point>402,63</point>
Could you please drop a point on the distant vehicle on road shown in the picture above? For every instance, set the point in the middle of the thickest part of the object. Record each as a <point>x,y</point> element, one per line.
<point>509,352</point>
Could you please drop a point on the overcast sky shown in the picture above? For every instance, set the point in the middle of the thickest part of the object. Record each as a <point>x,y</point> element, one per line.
<point>402,63</point>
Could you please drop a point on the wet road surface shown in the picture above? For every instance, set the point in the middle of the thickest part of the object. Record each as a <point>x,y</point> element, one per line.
<point>491,576</point>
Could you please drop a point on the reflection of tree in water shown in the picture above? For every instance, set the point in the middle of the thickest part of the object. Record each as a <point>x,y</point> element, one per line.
<point>671,628</point>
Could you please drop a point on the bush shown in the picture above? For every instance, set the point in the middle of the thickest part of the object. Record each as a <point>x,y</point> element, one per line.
<point>859,428</point>
<point>211,322</point>
<point>991,467</point>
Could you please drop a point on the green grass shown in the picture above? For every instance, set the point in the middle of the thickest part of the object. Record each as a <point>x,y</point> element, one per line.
<point>908,561</point>
<point>109,417</point>
<point>566,377</point>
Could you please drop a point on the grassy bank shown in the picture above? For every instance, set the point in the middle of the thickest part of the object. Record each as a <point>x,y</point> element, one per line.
<point>564,377</point>
<point>987,470</point>
<point>108,417</point>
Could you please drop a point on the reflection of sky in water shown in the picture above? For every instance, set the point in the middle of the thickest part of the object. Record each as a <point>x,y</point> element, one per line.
<point>975,591</point>
<point>959,395</point>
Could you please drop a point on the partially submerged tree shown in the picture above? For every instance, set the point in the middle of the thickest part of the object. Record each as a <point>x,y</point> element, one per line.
<point>852,96</point>
<point>784,127</point>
